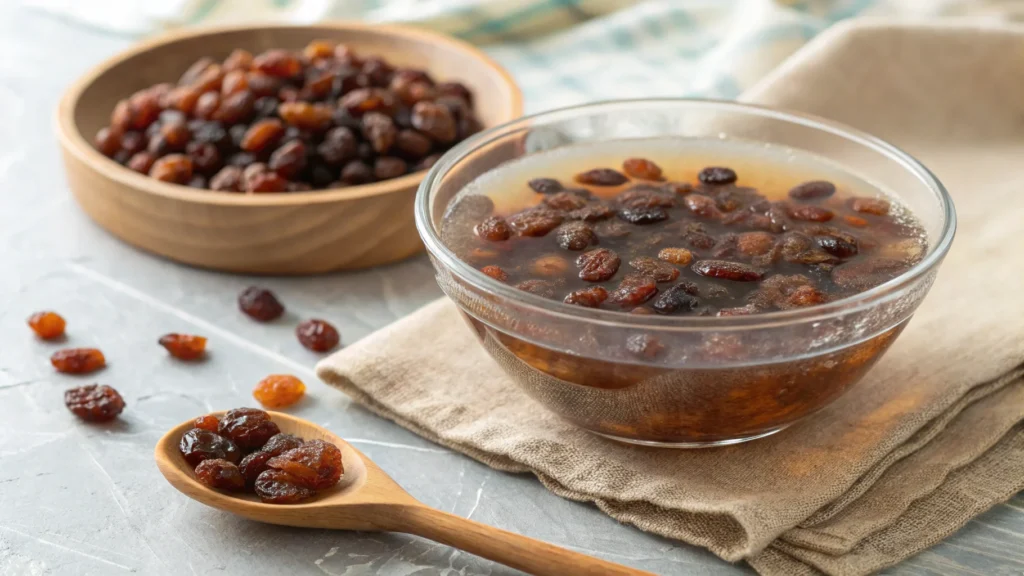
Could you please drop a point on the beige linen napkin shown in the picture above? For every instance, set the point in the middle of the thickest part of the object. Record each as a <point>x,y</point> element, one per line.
<point>930,438</point>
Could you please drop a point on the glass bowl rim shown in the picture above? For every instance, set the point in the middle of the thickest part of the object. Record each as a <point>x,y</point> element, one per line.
<point>875,296</point>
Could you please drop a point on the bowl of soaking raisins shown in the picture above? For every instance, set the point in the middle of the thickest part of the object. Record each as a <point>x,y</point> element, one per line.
<point>275,149</point>
<point>683,273</point>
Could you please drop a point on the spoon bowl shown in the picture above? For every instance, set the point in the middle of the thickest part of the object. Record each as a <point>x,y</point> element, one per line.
<point>367,499</point>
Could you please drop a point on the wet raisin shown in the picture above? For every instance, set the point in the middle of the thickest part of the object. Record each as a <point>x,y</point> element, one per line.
<point>494,228</point>
<point>642,169</point>
<point>678,256</point>
<point>592,212</point>
<point>545,185</point>
<point>47,325</point>
<point>812,190</point>
<point>198,444</point>
<point>634,290</point>
<point>658,270</point>
<point>279,391</point>
<point>588,297</point>
<point>601,177</point>
<point>677,298</point>
<point>549,265</point>
<point>874,206</point>
<point>495,272</point>
<point>184,346</point>
<point>702,206</point>
<point>754,243</point>
<point>567,200</point>
<point>78,360</point>
<point>539,287</point>
<point>645,346</point>
<point>260,304</point>
<point>535,221</point>
<point>642,216</point>
<point>646,196</point>
<point>248,428</point>
<point>810,213</point>
<point>94,403</point>
<point>598,265</point>
<point>316,464</point>
<point>726,270</point>
<point>717,175</point>
<point>317,335</point>
<point>575,235</point>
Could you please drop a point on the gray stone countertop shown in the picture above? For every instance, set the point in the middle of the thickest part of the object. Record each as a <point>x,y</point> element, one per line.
<point>79,499</point>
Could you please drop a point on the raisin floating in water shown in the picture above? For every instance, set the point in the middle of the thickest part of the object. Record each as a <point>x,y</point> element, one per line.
<point>317,335</point>
<point>680,297</point>
<point>642,216</point>
<point>678,256</point>
<point>717,175</point>
<point>754,243</point>
<point>657,270</point>
<point>220,475</point>
<point>727,270</point>
<point>539,287</point>
<point>197,445</point>
<point>811,213</point>
<point>642,169</point>
<point>589,297</point>
<point>865,274</point>
<point>592,212</point>
<point>248,428</point>
<point>702,206</point>
<point>94,403</point>
<point>495,272</point>
<point>316,464</point>
<point>812,190</point>
<point>598,265</point>
<point>875,206</point>
<point>279,487</point>
<point>279,391</point>
<point>535,221</point>
<point>840,246</point>
<point>646,196</point>
<point>645,346</point>
<point>78,360</point>
<point>184,346</point>
<point>568,200</point>
<point>634,290</point>
<point>494,228</point>
<point>549,265</point>
<point>601,177</point>
<point>260,304</point>
<point>47,325</point>
<point>545,185</point>
<point>208,422</point>
<point>575,235</point>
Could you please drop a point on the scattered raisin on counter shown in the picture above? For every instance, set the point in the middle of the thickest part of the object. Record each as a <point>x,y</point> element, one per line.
<point>78,360</point>
<point>94,403</point>
<point>279,391</point>
<point>317,335</point>
<point>306,116</point>
<point>184,346</point>
<point>260,304</point>
<point>47,325</point>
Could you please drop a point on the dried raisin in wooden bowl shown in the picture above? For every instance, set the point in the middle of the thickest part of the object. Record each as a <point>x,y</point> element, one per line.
<point>282,233</point>
<point>182,476</point>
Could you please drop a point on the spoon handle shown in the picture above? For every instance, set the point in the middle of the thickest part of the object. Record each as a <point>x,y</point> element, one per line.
<point>526,554</point>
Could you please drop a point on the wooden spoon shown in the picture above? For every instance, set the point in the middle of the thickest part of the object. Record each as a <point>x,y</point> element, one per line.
<point>368,499</point>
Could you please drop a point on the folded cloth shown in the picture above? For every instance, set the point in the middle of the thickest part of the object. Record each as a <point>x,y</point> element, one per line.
<point>565,52</point>
<point>931,437</point>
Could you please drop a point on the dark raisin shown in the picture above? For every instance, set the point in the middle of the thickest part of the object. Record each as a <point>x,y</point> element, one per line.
<point>539,287</point>
<point>94,403</point>
<point>220,475</point>
<point>727,270</point>
<point>642,216</point>
<point>379,130</point>
<point>317,335</point>
<point>598,265</point>
<point>494,228</point>
<point>812,190</point>
<point>198,444</point>
<point>642,169</point>
<point>865,274</point>
<point>228,179</point>
<point>357,172</point>
<point>568,200</point>
<point>248,428</point>
<point>279,487</point>
<point>266,106</point>
<point>646,196</point>
<point>260,304</point>
<point>141,162</point>
<point>546,185</point>
<point>289,159</point>
<point>575,235</point>
<point>435,121</point>
<point>589,297</point>
<point>717,175</point>
<point>678,298</point>
<point>237,107</point>
<point>658,270</point>
<point>601,177</point>
<point>205,157</point>
<point>634,290</point>
<point>412,145</point>
<point>388,167</point>
<point>837,246</point>
<point>338,147</point>
<point>495,272</point>
<point>535,221</point>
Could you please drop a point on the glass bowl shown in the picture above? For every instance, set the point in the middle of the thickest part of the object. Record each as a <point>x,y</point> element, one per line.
<point>725,379</point>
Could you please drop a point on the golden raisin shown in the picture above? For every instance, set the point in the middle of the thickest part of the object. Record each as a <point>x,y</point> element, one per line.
<point>279,391</point>
<point>317,335</point>
<point>305,115</point>
<point>641,168</point>
<point>47,325</point>
<point>680,256</point>
<point>78,360</point>
<point>184,346</point>
<point>318,49</point>
<point>875,206</point>
<point>495,272</point>
<point>208,422</point>
<point>278,63</point>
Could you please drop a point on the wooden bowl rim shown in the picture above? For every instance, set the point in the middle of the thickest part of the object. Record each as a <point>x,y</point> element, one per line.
<point>75,143</point>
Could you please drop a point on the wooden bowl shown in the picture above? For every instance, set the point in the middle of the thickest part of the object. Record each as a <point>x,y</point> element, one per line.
<point>286,233</point>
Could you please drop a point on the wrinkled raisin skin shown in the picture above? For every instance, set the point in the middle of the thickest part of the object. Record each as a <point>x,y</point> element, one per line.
<point>317,335</point>
<point>279,391</point>
<point>601,177</point>
<point>249,428</point>
<point>47,325</point>
<point>220,474</point>
<point>184,346</point>
<point>641,168</point>
<point>279,487</point>
<point>316,464</point>
<point>94,403</point>
<point>78,360</point>
<point>717,175</point>
<point>197,445</point>
<point>726,270</point>
<point>494,228</point>
<point>598,265</point>
<point>588,297</point>
<point>260,304</point>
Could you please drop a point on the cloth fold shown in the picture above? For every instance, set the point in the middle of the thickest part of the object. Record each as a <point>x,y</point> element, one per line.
<point>930,438</point>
